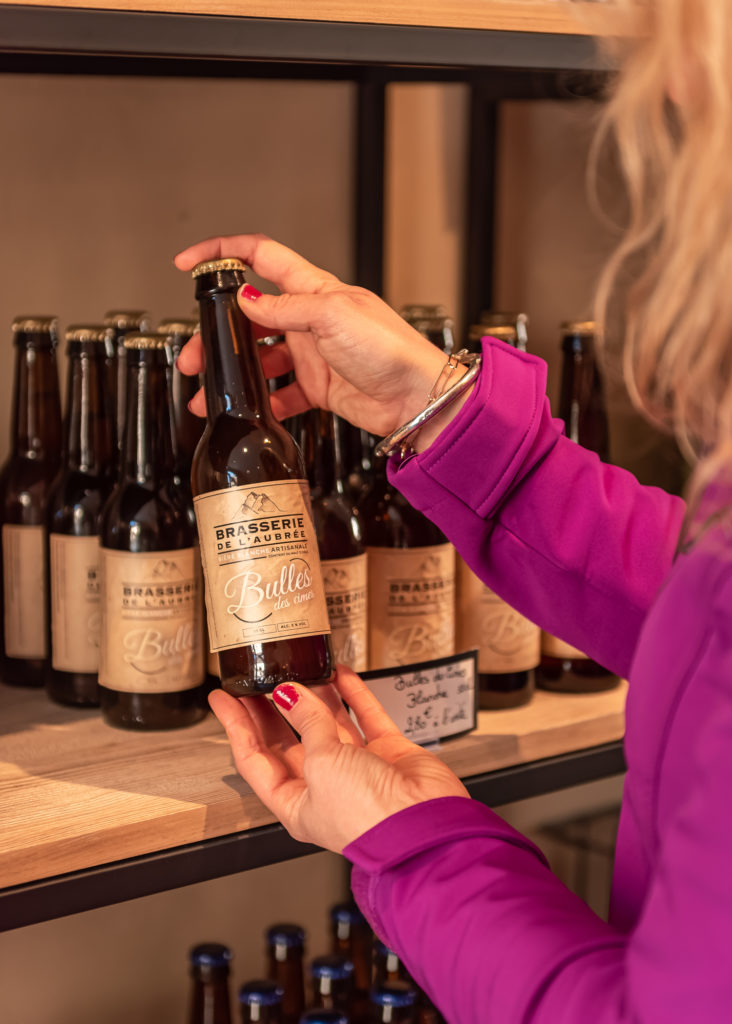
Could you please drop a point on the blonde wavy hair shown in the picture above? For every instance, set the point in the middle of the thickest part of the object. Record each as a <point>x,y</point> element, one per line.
<point>670,115</point>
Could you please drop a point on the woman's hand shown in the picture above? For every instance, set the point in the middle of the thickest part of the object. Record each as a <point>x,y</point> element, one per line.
<point>331,786</point>
<point>351,352</point>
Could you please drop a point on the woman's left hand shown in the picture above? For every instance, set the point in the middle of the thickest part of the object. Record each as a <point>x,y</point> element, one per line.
<point>330,786</point>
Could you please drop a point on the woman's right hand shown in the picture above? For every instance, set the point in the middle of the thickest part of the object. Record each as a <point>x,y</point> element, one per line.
<point>350,351</point>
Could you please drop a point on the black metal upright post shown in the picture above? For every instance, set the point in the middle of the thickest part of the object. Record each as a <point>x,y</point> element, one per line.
<point>481,198</point>
<point>370,173</point>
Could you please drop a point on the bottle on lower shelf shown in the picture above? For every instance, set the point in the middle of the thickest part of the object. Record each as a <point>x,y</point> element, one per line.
<point>209,1002</point>
<point>565,669</point>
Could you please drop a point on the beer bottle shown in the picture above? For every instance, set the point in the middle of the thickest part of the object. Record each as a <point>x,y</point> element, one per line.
<point>433,323</point>
<point>261,1001</point>
<point>340,544</point>
<point>394,1003</point>
<point>389,968</point>
<point>151,665</point>
<point>122,322</point>
<point>332,982</point>
<point>187,427</point>
<point>351,936</point>
<point>209,1002</point>
<point>321,1016</point>
<point>507,643</point>
<point>25,479</point>
<point>582,407</point>
<point>75,504</point>
<point>268,619</point>
<point>285,952</point>
<point>411,578</point>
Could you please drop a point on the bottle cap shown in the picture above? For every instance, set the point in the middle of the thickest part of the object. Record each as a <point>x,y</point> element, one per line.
<point>495,318</point>
<point>395,994</point>
<point>210,954</point>
<point>579,327</point>
<point>286,935</point>
<point>128,319</point>
<point>211,266</point>
<point>349,913</point>
<point>505,332</point>
<point>337,968</point>
<point>34,325</point>
<point>88,332</point>
<point>261,992</point>
<point>323,1017</point>
<point>178,325</point>
<point>151,340</point>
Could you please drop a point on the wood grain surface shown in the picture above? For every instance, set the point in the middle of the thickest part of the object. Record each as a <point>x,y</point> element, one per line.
<point>554,16</point>
<point>75,793</point>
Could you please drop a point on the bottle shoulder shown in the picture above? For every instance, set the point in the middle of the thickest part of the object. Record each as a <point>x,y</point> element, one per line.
<point>238,451</point>
<point>142,518</point>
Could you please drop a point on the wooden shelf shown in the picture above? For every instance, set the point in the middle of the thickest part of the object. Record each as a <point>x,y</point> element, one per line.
<point>76,793</point>
<point>570,17</point>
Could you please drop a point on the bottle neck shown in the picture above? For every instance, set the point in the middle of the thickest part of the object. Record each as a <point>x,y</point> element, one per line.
<point>234,381</point>
<point>210,1001</point>
<point>323,452</point>
<point>88,442</point>
<point>147,449</point>
<point>36,403</point>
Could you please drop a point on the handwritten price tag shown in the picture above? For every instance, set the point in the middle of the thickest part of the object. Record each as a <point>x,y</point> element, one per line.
<point>431,700</point>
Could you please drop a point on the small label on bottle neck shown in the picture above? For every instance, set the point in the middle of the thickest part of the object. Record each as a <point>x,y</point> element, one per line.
<point>261,565</point>
<point>151,621</point>
<point>24,583</point>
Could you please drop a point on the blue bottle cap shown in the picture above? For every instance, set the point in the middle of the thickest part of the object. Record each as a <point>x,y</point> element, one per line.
<point>286,935</point>
<point>381,948</point>
<point>338,968</point>
<point>323,1017</point>
<point>348,913</point>
<point>394,995</point>
<point>210,954</point>
<point>261,992</point>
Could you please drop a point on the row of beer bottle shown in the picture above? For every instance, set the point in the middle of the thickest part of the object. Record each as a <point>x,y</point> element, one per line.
<point>359,981</point>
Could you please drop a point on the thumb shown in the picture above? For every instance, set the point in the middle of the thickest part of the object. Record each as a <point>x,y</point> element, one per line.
<point>308,716</point>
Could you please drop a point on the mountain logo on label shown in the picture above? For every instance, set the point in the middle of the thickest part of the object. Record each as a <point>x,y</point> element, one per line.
<point>166,570</point>
<point>430,566</point>
<point>335,577</point>
<point>258,504</point>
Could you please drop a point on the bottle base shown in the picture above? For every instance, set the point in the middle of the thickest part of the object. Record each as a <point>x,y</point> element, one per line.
<point>73,689</point>
<point>505,690</point>
<point>574,676</point>
<point>146,712</point>
<point>248,672</point>
<point>22,673</point>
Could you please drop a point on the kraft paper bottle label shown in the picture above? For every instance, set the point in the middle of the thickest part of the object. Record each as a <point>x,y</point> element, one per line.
<point>411,603</point>
<point>553,647</point>
<point>344,580</point>
<point>261,565</point>
<point>76,613</point>
<point>151,621</point>
<point>505,639</point>
<point>24,588</point>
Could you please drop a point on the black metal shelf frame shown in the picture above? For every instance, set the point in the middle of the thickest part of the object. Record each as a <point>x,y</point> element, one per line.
<point>242,851</point>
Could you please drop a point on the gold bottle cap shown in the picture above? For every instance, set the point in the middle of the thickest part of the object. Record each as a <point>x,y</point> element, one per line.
<point>34,325</point>
<point>496,318</point>
<point>579,327</point>
<point>505,332</point>
<point>88,332</point>
<point>148,340</point>
<point>178,325</point>
<point>211,266</point>
<point>128,319</point>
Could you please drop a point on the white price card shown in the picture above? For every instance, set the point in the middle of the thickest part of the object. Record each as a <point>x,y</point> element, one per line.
<point>429,700</point>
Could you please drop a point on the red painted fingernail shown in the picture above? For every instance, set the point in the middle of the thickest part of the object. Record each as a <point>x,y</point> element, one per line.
<point>249,292</point>
<point>286,696</point>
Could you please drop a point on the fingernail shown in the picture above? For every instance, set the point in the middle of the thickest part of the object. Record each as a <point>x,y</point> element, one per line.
<point>249,292</point>
<point>286,696</point>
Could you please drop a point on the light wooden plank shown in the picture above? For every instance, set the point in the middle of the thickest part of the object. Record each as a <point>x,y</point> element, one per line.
<point>570,17</point>
<point>75,793</point>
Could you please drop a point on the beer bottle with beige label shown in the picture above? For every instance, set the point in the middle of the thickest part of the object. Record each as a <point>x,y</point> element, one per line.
<point>267,614</point>
<point>411,579</point>
<point>74,512</point>
<point>25,480</point>
<point>151,665</point>
<point>582,407</point>
<point>338,528</point>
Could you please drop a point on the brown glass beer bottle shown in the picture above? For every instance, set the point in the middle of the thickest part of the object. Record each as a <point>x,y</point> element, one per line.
<point>411,579</point>
<point>122,322</point>
<point>261,1001</point>
<point>267,616</point>
<point>506,641</point>
<point>75,503</point>
<point>340,544</point>
<point>332,982</point>
<point>351,936</point>
<point>187,427</point>
<point>582,407</point>
<point>209,1000</point>
<point>394,1003</point>
<point>285,952</point>
<point>433,323</point>
<point>151,665</point>
<point>25,479</point>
